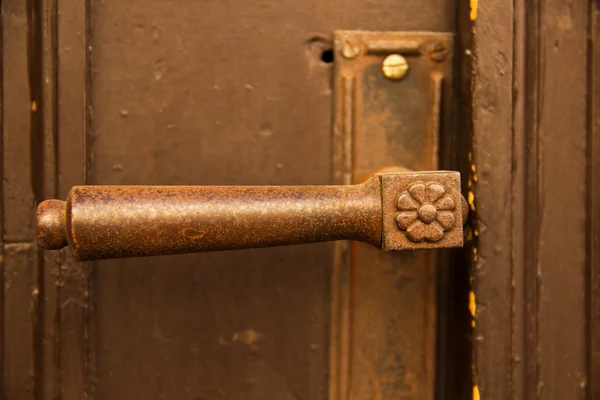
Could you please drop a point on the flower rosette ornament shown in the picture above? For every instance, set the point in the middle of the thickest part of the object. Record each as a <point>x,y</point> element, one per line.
<point>426,212</point>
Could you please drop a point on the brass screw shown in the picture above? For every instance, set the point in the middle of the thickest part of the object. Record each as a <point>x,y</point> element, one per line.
<point>394,67</point>
<point>438,51</point>
<point>350,49</point>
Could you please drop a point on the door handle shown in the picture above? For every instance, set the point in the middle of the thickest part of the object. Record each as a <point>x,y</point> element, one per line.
<point>392,211</point>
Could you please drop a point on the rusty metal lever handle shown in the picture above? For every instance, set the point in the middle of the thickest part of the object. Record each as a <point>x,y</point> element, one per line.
<point>99,222</point>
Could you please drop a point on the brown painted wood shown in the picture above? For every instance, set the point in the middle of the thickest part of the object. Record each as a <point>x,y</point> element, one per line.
<point>72,113</point>
<point>2,269</point>
<point>142,92</point>
<point>193,93</point>
<point>594,203</point>
<point>47,263</point>
<point>168,72</point>
<point>491,180</point>
<point>531,275</point>
<point>18,272</point>
<point>18,194</point>
<point>148,94</point>
<point>19,275</point>
<point>562,181</point>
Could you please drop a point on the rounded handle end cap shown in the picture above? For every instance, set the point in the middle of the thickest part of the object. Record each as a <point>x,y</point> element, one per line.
<point>52,224</point>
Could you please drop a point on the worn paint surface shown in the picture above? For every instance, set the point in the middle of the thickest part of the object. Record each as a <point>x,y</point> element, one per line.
<point>473,14</point>
<point>472,307</point>
<point>161,93</point>
<point>476,393</point>
<point>534,198</point>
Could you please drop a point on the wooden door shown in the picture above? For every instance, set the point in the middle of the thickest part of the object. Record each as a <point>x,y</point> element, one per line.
<point>181,92</point>
<point>532,90</point>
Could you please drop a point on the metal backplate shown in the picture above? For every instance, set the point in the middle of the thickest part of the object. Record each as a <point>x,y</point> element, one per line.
<point>383,303</point>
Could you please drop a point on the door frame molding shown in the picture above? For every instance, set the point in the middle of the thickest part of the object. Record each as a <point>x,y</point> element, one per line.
<point>534,89</point>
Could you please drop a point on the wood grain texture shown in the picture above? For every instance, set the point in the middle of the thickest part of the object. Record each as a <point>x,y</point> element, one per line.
<point>454,346</point>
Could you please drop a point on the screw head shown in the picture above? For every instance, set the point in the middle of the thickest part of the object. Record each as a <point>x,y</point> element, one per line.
<point>438,51</point>
<point>394,67</point>
<point>350,49</point>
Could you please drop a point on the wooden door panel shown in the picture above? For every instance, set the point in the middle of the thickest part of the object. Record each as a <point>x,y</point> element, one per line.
<point>219,93</point>
<point>535,256</point>
<point>188,92</point>
<point>230,325</point>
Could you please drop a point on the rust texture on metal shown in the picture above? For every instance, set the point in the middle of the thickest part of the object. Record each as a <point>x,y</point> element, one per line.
<point>383,305</point>
<point>428,210</point>
<point>100,222</point>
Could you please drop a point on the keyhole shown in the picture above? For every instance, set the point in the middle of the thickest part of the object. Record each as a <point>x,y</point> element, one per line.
<point>327,56</point>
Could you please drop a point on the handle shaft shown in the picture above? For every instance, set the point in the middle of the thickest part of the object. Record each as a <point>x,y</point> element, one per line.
<point>126,221</point>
